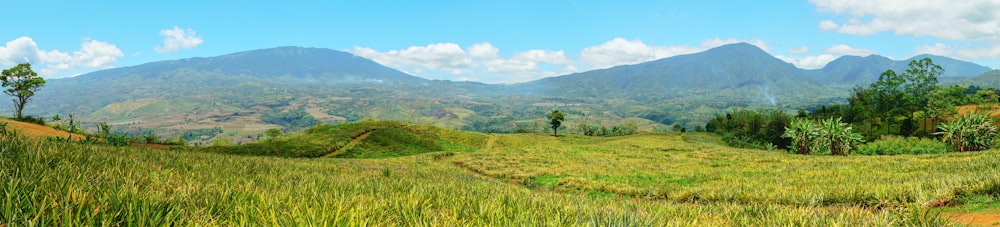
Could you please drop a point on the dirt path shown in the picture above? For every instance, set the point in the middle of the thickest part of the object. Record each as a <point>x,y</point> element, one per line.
<point>988,218</point>
<point>349,145</point>
<point>490,140</point>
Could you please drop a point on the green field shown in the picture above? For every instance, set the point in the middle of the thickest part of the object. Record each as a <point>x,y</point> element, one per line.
<point>456,178</point>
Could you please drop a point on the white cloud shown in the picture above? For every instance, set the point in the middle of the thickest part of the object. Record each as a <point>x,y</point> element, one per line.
<point>799,50</point>
<point>827,25</point>
<point>176,39</point>
<point>92,54</point>
<point>809,62</point>
<point>620,51</point>
<point>960,52</point>
<point>483,62</point>
<point>967,20</point>
<point>819,61</point>
<point>842,49</point>
<point>479,62</point>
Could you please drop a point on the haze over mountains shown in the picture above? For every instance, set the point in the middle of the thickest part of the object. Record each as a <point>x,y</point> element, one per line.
<point>328,83</point>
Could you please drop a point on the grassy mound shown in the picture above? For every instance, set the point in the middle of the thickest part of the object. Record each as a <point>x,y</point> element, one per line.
<point>365,139</point>
<point>52,184</point>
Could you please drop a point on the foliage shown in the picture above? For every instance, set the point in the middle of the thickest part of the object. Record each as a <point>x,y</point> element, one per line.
<point>272,133</point>
<point>628,127</point>
<point>150,138</point>
<point>752,129</point>
<point>69,184</point>
<point>970,132</point>
<point>196,134</point>
<point>841,138</point>
<point>222,142</point>
<point>803,133</point>
<point>555,120</point>
<point>897,145</point>
<point>292,120</point>
<point>22,83</point>
<point>830,135</point>
<point>32,119</point>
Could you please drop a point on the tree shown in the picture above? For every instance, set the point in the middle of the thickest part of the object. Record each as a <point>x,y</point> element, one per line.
<point>272,133</point>
<point>22,83</point>
<point>891,103</point>
<point>222,142</point>
<point>555,120</point>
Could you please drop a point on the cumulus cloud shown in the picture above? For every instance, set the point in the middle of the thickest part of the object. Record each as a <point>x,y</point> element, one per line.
<point>620,51</point>
<point>176,39</point>
<point>966,52</point>
<point>969,20</point>
<point>809,62</point>
<point>484,62</point>
<point>843,49</point>
<point>91,55</point>
<point>799,50</point>
<point>479,62</point>
<point>827,25</point>
<point>819,61</point>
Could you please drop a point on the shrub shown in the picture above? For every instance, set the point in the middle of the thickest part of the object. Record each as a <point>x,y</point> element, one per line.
<point>802,132</point>
<point>32,119</point>
<point>970,132</point>
<point>896,145</point>
<point>752,127</point>
<point>829,135</point>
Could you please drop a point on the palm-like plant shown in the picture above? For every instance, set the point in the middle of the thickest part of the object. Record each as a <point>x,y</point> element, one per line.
<point>803,132</point>
<point>841,138</point>
<point>971,132</point>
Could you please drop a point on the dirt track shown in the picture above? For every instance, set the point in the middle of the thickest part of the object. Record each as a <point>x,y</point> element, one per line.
<point>975,218</point>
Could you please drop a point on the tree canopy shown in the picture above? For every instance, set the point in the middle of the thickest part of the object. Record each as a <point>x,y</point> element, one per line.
<point>22,83</point>
<point>555,120</point>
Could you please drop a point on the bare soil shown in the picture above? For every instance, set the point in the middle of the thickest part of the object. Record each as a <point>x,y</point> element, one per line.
<point>985,218</point>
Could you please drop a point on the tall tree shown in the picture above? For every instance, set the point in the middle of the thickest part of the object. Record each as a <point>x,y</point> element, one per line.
<point>892,102</point>
<point>22,83</point>
<point>555,120</point>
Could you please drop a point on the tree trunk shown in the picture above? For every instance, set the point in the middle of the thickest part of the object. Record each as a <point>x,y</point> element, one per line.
<point>20,107</point>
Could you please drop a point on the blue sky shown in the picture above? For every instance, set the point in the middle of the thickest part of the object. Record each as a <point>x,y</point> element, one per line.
<point>491,41</point>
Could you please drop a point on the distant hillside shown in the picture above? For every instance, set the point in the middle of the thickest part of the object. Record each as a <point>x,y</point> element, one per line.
<point>739,72</point>
<point>856,70</point>
<point>989,79</point>
<point>241,95</point>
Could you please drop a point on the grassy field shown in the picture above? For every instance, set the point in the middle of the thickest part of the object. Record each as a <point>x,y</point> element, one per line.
<point>477,179</point>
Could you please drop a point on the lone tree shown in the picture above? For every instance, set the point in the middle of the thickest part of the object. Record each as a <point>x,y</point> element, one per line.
<point>555,120</point>
<point>22,83</point>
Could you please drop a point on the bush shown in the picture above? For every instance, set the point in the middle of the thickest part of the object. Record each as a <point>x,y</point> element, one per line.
<point>32,119</point>
<point>741,127</point>
<point>971,132</point>
<point>896,145</point>
<point>829,136</point>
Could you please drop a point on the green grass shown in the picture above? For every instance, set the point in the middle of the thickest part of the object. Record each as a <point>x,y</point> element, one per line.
<point>667,167</point>
<point>526,179</point>
<point>387,139</point>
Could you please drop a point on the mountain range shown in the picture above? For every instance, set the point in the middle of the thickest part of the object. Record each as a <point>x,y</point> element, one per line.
<point>237,90</point>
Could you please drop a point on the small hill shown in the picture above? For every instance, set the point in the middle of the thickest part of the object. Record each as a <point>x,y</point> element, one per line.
<point>990,79</point>
<point>364,139</point>
<point>855,70</point>
<point>37,131</point>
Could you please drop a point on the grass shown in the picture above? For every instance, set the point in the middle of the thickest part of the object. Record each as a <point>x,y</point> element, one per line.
<point>388,139</point>
<point>527,179</point>
<point>672,168</point>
